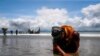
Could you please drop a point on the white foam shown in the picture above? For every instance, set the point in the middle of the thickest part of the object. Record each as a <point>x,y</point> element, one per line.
<point>49,34</point>
<point>89,35</point>
<point>42,34</point>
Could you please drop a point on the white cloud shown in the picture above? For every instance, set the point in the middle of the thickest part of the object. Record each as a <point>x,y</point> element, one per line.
<point>45,18</point>
<point>48,17</point>
<point>4,23</point>
<point>92,10</point>
<point>92,14</point>
<point>92,17</point>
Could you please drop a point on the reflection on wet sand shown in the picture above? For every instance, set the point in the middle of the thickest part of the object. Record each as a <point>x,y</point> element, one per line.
<point>90,46</point>
<point>4,40</point>
<point>32,45</point>
<point>25,46</point>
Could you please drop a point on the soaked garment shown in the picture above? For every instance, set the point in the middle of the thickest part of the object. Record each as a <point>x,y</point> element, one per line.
<point>68,41</point>
<point>70,46</point>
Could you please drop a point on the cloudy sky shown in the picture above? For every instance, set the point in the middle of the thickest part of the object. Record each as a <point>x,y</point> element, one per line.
<point>25,14</point>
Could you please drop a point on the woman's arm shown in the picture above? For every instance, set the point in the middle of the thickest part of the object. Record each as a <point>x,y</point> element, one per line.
<point>61,51</point>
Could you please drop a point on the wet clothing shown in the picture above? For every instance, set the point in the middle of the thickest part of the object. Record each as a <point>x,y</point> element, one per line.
<point>70,45</point>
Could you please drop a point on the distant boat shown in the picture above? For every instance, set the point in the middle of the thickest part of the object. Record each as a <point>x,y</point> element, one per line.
<point>35,31</point>
<point>38,31</point>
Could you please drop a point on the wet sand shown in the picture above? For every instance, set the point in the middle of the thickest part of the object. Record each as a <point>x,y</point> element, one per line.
<point>41,45</point>
<point>89,46</point>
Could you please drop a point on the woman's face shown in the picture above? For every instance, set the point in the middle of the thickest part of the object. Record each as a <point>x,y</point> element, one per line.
<point>64,33</point>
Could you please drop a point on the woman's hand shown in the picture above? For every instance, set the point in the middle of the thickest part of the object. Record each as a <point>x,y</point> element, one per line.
<point>61,51</point>
<point>66,54</point>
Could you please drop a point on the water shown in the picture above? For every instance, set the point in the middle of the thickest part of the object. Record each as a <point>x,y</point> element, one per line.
<point>23,45</point>
<point>89,46</point>
<point>41,45</point>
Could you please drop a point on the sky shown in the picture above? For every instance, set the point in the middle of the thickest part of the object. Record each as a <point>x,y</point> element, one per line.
<point>24,14</point>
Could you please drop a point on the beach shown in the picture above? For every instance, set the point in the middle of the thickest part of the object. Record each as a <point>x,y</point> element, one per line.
<point>41,45</point>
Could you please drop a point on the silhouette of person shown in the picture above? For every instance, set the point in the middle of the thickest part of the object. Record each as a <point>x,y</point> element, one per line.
<point>16,32</point>
<point>4,31</point>
<point>11,32</point>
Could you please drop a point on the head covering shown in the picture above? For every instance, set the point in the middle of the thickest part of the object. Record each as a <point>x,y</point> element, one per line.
<point>68,30</point>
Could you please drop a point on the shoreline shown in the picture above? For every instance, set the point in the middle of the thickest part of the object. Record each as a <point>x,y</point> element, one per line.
<point>49,34</point>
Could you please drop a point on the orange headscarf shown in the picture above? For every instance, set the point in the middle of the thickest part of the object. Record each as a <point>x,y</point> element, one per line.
<point>68,30</point>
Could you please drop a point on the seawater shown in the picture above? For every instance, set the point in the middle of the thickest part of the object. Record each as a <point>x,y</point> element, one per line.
<point>41,45</point>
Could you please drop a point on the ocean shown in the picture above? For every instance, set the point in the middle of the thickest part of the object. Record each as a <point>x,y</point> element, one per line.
<point>41,45</point>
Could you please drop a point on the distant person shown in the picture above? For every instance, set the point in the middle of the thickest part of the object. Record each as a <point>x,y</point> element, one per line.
<point>11,32</point>
<point>4,31</point>
<point>16,32</point>
<point>66,41</point>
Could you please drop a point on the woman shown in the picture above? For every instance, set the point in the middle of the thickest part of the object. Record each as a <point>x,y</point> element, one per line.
<point>68,42</point>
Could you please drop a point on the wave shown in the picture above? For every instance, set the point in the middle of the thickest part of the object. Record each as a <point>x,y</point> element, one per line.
<point>49,34</point>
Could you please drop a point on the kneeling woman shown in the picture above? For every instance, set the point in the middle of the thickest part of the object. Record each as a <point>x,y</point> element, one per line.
<point>66,41</point>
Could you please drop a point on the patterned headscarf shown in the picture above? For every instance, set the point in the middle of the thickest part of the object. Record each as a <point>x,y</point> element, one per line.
<point>68,30</point>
